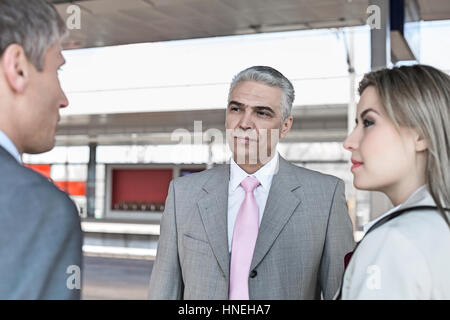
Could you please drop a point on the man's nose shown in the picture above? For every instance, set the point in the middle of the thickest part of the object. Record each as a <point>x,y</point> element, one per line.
<point>64,101</point>
<point>246,121</point>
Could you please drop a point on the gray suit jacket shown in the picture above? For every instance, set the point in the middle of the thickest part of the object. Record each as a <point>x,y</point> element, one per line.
<point>304,235</point>
<point>40,235</point>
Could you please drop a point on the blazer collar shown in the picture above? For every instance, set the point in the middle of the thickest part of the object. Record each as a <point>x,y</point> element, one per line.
<point>8,145</point>
<point>284,197</point>
<point>264,174</point>
<point>7,155</point>
<point>420,197</point>
<point>213,208</point>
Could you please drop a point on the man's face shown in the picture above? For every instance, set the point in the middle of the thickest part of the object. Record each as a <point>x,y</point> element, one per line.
<point>44,98</point>
<point>254,122</point>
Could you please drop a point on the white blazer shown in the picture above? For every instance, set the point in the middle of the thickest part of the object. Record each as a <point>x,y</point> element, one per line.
<point>406,258</point>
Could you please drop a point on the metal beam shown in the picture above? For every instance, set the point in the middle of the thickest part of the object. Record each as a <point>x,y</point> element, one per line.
<point>91,178</point>
<point>380,42</point>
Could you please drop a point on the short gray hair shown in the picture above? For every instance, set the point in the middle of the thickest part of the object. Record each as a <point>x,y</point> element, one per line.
<point>35,25</point>
<point>271,77</point>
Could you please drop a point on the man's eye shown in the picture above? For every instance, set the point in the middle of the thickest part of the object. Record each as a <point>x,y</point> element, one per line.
<point>234,109</point>
<point>262,113</point>
<point>367,123</point>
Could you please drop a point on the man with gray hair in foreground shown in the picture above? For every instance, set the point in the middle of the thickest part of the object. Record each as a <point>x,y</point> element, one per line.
<point>258,227</point>
<point>40,233</point>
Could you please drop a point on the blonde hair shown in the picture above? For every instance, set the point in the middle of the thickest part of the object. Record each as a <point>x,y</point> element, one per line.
<point>418,97</point>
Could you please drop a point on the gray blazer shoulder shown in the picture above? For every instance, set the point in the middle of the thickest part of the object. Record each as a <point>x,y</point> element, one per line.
<point>40,233</point>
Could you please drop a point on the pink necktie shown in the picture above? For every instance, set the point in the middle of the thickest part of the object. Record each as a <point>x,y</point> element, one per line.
<point>244,239</point>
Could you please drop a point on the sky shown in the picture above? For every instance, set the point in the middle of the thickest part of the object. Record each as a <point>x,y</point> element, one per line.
<point>195,74</point>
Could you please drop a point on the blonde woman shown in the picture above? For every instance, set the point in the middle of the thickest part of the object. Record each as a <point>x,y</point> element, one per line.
<point>401,147</point>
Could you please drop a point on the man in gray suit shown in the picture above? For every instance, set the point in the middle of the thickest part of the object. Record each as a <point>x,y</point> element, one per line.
<point>40,233</point>
<point>260,227</point>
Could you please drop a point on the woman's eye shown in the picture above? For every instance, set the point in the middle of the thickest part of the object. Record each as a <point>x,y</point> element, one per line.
<point>367,123</point>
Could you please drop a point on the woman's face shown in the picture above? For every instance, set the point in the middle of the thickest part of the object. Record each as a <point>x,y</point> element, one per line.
<point>383,158</point>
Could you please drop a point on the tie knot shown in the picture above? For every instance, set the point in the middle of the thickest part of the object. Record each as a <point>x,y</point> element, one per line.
<point>249,184</point>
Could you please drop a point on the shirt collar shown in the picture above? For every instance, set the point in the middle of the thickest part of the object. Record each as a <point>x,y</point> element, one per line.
<point>264,174</point>
<point>420,197</point>
<point>9,146</point>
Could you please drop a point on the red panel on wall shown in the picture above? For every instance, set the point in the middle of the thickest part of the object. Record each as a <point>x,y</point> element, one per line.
<point>140,185</point>
<point>74,188</point>
<point>43,169</point>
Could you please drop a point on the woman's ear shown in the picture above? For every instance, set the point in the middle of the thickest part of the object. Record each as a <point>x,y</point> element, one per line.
<point>420,142</point>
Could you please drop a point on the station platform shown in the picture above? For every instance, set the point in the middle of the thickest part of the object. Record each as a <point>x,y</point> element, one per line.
<point>130,239</point>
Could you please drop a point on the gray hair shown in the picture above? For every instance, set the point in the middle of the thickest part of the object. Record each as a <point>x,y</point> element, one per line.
<point>271,77</point>
<point>35,25</point>
<point>418,97</point>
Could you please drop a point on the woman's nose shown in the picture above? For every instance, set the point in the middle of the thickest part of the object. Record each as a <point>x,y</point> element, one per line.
<point>351,143</point>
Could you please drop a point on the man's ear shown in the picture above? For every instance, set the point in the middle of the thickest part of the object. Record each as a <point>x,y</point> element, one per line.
<point>15,66</point>
<point>286,126</point>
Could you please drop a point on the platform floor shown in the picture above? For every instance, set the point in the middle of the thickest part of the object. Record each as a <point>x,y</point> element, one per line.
<point>115,279</point>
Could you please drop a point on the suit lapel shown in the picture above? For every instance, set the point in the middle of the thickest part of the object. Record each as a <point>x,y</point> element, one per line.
<point>213,209</point>
<point>6,155</point>
<point>281,204</point>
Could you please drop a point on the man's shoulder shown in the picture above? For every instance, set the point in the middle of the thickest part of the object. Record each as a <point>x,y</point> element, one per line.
<point>26,193</point>
<point>18,179</point>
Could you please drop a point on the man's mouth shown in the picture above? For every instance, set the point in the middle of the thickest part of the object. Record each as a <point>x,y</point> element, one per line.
<point>244,139</point>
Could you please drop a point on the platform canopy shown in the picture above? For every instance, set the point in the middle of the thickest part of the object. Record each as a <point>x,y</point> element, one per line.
<point>325,123</point>
<point>117,22</point>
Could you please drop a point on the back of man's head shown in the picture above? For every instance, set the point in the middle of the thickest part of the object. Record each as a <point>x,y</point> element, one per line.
<point>33,24</point>
<point>31,32</point>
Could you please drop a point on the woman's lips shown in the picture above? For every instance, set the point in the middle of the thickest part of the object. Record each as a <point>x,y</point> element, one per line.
<point>356,164</point>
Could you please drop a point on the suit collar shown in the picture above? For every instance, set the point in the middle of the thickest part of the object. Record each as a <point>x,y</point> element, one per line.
<point>8,145</point>
<point>420,197</point>
<point>8,156</point>
<point>213,208</point>
<point>284,197</point>
<point>264,174</point>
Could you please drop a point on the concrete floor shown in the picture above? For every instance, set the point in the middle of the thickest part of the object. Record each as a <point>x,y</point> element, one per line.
<point>115,279</point>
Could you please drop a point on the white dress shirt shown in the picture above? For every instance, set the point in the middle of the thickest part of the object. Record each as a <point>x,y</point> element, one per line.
<point>236,193</point>
<point>406,258</point>
<point>9,146</point>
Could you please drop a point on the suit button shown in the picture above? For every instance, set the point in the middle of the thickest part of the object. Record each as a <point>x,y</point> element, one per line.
<point>253,274</point>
